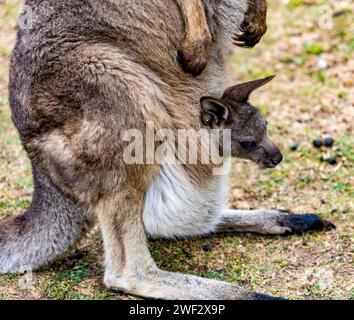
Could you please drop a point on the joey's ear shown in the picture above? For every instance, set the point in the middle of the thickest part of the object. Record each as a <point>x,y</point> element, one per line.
<point>214,111</point>
<point>241,92</point>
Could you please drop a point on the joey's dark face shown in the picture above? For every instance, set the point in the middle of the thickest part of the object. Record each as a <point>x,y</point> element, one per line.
<point>249,138</point>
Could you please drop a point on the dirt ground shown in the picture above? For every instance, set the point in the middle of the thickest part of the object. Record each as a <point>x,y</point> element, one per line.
<point>310,47</point>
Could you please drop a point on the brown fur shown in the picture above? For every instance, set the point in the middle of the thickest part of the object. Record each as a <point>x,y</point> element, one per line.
<point>201,26</point>
<point>84,73</point>
<point>195,50</point>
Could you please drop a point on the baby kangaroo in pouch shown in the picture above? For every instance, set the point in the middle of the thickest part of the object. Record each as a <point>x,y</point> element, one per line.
<point>80,81</point>
<point>175,206</point>
<point>249,139</point>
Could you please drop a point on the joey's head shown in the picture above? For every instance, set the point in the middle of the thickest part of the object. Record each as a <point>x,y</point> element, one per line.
<point>249,138</point>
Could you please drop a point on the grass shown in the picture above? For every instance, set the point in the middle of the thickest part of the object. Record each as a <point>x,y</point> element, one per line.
<point>312,97</point>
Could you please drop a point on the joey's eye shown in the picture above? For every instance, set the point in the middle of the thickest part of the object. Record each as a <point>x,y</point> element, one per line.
<point>248,145</point>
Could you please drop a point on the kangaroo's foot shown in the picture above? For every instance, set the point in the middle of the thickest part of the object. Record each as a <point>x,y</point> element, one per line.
<point>271,222</point>
<point>195,50</point>
<point>130,268</point>
<point>254,25</point>
<point>158,284</point>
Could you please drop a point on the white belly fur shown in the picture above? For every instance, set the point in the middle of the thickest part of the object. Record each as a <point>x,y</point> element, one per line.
<point>176,208</point>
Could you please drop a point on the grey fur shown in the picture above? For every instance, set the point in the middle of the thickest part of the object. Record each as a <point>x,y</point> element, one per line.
<point>85,72</point>
<point>52,224</point>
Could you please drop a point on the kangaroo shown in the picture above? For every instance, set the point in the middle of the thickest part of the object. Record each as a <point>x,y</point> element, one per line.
<point>81,76</point>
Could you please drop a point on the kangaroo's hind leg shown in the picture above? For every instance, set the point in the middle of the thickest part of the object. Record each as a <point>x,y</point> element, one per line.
<point>130,268</point>
<point>271,222</point>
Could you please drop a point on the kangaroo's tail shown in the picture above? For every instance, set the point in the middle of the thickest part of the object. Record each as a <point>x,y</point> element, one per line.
<point>46,230</point>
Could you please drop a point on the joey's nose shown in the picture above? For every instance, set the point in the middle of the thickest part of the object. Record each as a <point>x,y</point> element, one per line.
<point>277,159</point>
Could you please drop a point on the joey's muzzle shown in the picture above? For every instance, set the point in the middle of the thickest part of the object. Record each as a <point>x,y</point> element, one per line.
<point>274,159</point>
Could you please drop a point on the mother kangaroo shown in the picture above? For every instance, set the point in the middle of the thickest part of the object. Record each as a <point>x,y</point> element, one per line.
<point>83,73</point>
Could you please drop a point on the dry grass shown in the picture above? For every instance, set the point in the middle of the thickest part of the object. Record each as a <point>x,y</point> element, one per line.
<point>304,102</point>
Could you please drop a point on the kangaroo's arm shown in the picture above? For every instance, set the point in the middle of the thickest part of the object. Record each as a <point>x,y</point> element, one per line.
<point>195,50</point>
<point>254,24</point>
